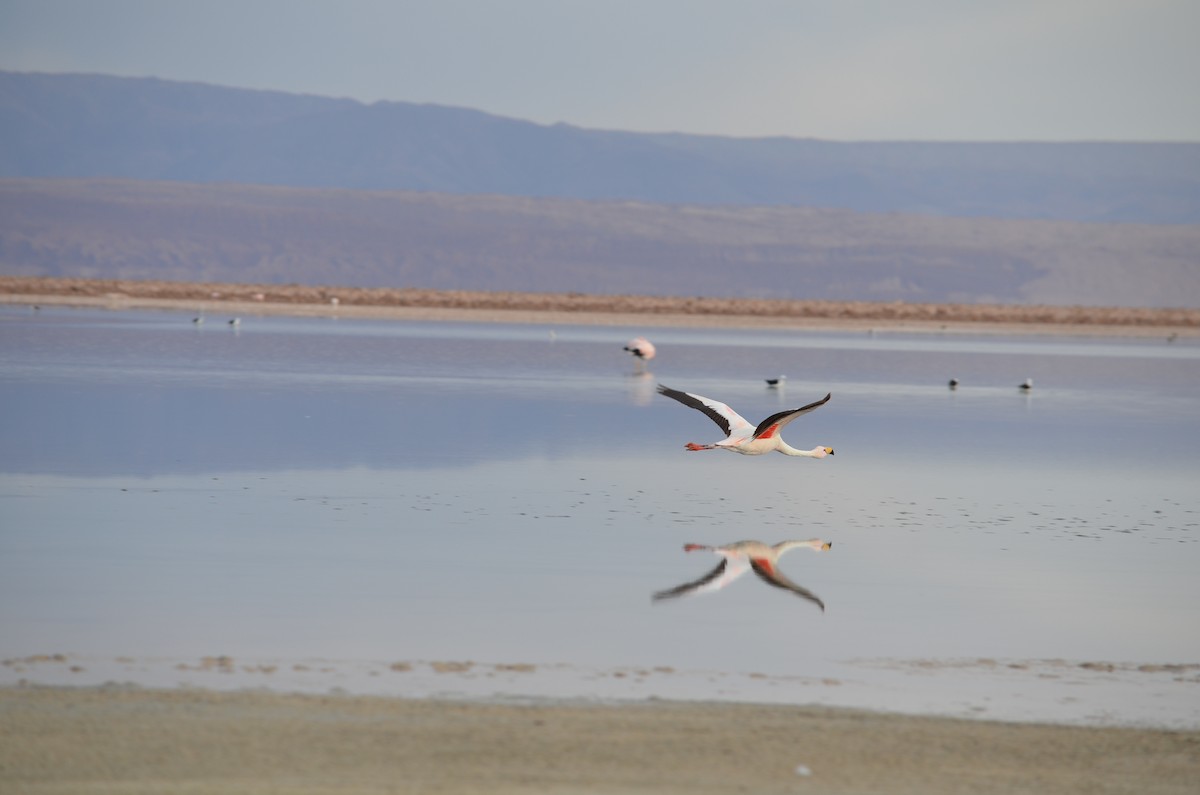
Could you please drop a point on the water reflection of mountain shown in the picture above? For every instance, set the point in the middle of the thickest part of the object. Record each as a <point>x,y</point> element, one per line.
<point>131,429</point>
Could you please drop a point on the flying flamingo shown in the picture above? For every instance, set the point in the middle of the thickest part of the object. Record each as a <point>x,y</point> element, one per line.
<point>740,435</point>
<point>740,557</point>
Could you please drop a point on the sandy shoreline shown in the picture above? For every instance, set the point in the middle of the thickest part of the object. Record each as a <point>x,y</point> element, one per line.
<point>120,739</point>
<point>228,300</point>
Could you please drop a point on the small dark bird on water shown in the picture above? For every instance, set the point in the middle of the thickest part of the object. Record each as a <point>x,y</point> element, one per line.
<point>776,382</point>
<point>1028,385</point>
<point>954,383</point>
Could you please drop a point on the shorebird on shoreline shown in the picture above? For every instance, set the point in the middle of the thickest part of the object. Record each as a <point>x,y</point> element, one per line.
<point>743,556</point>
<point>740,435</point>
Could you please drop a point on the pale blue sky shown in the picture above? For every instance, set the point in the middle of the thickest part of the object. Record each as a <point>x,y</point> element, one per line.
<point>839,69</point>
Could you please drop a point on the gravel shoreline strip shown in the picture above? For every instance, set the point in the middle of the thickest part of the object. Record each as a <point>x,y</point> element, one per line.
<point>567,308</point>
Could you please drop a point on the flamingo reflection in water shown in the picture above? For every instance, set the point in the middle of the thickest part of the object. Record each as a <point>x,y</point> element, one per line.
<point>741,557</point>
<point>641,389</point>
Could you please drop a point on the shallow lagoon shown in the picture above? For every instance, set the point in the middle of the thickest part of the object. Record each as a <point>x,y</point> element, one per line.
<point>370,491</point>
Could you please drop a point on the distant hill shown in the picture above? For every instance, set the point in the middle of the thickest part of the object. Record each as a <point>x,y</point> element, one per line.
<point>147,129</point>
<point>121,229</point>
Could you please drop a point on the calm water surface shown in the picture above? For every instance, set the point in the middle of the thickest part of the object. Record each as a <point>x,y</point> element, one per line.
<point>319,488</point>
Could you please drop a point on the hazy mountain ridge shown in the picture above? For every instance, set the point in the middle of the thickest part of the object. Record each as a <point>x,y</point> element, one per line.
<point>269,187</point>
<point>97,126</point>
<point>117,229</point>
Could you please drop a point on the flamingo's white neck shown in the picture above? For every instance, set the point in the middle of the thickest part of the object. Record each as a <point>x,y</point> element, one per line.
<point>812,543</point>
<point>816,452</point>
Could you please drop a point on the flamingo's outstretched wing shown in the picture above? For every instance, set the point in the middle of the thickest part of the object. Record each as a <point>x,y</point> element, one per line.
<point>772,576</point>
<point>726,418</point>
<point>725,572</point>
<point>777,421</point>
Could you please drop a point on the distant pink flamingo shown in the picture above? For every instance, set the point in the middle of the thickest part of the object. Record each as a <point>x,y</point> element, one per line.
<point>742,556</point>
<point>740,435</point>
<point>641,347</point>
<point>642,350</point>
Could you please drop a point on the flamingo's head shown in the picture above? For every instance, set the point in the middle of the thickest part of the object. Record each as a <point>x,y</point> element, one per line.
<point>821,452</point>
<point>820,545</point>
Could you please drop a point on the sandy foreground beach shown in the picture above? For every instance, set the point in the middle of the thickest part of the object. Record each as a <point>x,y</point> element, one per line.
<point>228,300</point>
<point>130,740</point>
